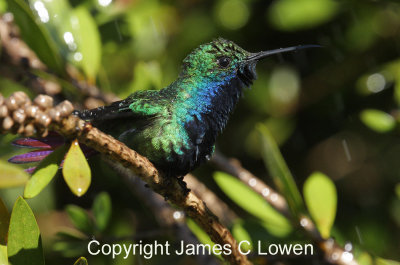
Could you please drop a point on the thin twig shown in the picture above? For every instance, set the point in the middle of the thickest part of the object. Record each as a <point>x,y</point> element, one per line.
<point>215,204</point>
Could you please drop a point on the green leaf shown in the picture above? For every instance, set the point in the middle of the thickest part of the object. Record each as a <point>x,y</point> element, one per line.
<point>293,15</point>
<point>81,261</point>
<point>60,24</point>
<point>89,44</point>
<point>253,203</point>
<point>147,24</point>
<point>71,234</point>
<point>24,242</point>
<point>75,33</point>
<point>71,249</point>
<point>202,236</point>
<point>148,75</point>
<point>8,87</point>
<point>36,35</point>
<point>76,170</point>
<point>80,219</point>
<point>44,173</point>
<point>3,9</point>
<point>3,255</point>
<point>102,210</point>
<point>378,120</point>
<point>397,190</point>
<point>280,172</point>
<point>240,234</point>
<point>380,261</point>
<point>12,175</point>
<point>321,200</point>
<point>57,15</point>
<point>364,259</point>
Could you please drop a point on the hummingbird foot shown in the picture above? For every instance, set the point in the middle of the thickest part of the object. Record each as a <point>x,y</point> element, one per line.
<point>183,184</point>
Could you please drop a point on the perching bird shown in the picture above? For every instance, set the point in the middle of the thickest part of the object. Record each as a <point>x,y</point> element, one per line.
<point>176,127</point>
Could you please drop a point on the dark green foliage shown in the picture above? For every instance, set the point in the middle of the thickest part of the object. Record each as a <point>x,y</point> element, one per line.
<point>102,210</point>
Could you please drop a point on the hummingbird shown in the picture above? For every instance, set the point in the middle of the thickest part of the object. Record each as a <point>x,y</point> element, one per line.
<point>176,127</point>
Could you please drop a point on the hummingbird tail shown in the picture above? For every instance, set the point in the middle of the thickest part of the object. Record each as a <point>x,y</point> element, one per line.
<point>43,147</point>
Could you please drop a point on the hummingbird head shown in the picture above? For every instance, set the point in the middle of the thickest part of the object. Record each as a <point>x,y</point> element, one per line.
<point>211,82</point>
<point>222,60</point>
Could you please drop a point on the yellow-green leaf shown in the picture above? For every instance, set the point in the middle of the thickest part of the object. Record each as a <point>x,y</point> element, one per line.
<point>11,175</point>
<point>381,261</point>
<point>81,261</point>
<point>279,171</point>
<point>148,75</point>
<point>321,200</point>
<point>3,255</point>
<point>89,44</point>
<point>240,233</point>
<point>253,203</point>
<point>365,259</point>
<point>44,173</point>
<point>76,170</point>
<point>202,236</point>
<point>378,120</point>
<point>397,190</point>
<point>24,242</point>
<point>3,9</point>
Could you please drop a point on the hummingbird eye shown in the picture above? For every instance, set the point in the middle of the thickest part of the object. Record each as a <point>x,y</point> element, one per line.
<point>223,61</point>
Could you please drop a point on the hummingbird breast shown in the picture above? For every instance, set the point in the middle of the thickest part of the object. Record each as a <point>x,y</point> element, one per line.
<point>198,120</point>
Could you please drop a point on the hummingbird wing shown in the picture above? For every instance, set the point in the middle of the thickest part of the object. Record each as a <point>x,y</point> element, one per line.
<point>141,104</point>
<point>125,119</point>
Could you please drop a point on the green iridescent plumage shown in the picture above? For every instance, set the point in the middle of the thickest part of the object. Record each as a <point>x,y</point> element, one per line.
<point>176,127</point>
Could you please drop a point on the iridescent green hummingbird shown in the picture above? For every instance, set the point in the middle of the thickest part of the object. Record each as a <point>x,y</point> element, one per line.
<point>176,127</point>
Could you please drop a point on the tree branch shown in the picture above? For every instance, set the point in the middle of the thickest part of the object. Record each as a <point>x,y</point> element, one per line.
<point>167,217</point>
<point>16,116</point>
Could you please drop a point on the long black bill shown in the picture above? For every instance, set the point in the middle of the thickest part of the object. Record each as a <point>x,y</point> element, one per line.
<point>261,55</point>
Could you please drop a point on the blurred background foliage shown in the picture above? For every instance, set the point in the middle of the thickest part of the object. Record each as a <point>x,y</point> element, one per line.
<point>334,110</point>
